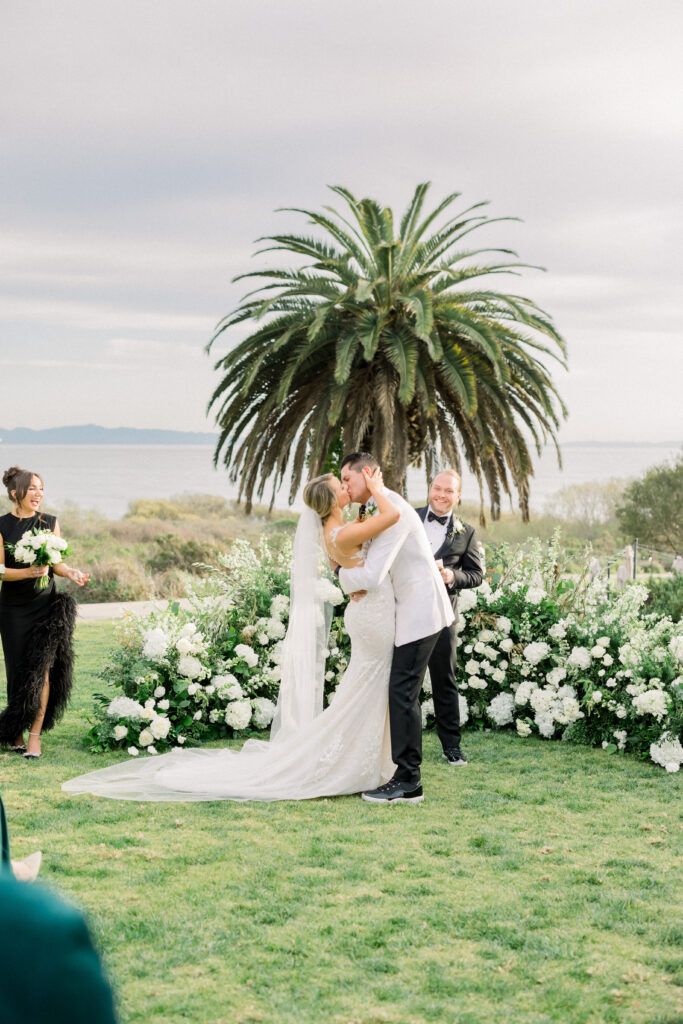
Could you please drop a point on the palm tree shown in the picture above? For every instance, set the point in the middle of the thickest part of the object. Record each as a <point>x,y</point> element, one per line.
<point>379,341</point>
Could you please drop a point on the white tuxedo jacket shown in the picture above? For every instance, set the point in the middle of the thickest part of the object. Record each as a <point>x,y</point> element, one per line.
<point>423,606</point>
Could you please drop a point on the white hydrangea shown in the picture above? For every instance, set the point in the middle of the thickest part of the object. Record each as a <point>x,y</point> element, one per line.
<point>327,592</point>
<point>501,709</point>
<point>651,702</point>
<point>557,631</point>
<point>156,644</point>
<point>556,675</point>
<point>120,732</point>
<point>464,710</point>
<point>247,654</point>
<point>426,709</point>
<point>125,707</point>
<point>536,652</point>
<point>545,724</point>
<point>676,646</point>
<point>238,714</point>
<point>264,710</point>
<point>524,691</point>
<point>534,595</point>
<point>579,658</point>
<point>160,727</point>
<point>620,736</point>
<point>523,728</point>
<point>667,752</point>
<point>279,605</point>
<point>503,624</point>
<point>467,600</point>
<point>190,667</point>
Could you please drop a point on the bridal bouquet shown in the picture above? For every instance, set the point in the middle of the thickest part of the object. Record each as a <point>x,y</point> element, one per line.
<point>41,547</point>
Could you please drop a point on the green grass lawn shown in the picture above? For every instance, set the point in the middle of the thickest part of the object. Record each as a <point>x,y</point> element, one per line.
<point>538,884</point>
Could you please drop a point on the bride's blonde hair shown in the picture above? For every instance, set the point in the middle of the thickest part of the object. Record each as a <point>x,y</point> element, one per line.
<point>319,495</point>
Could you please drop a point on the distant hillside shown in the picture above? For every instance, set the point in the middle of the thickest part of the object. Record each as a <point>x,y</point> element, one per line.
<point>91,434</point>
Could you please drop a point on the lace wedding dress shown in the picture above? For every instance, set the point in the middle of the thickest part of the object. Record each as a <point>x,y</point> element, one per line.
<point>342,750</point>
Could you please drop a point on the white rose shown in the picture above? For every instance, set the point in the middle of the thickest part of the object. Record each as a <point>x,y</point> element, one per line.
<point>597,651</point>
<point>164,705</point>
<point>597,696</point>
<point>133,751</point>
<point>190,667</point>
<point>160,728</point>
<point>198,715</point>
<point>503,624</point>
<point>506,645</point>
<point>184,645</point>
<point>120,732</point>
<point>145,738</point>
<point>180,740</point>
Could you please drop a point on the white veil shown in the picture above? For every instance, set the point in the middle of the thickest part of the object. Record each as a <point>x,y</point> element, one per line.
<point>300,697</point>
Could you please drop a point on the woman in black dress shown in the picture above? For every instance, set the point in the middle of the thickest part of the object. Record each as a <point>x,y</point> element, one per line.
<point>36,625</point>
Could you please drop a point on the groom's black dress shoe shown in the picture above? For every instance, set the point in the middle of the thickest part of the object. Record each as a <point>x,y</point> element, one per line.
<point>395,792</point>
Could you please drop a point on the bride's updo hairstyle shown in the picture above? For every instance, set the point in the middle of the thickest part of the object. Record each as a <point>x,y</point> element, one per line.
<point>319,496</point>
<point>18,480</point>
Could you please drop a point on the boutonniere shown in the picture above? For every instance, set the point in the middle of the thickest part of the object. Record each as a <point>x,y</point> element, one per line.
<point>370,509</point>
<point>456,527</point>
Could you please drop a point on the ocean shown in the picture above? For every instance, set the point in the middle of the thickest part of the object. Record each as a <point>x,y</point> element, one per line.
<point>108,477</point>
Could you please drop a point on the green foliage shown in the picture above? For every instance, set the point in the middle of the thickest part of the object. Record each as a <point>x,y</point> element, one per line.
<point>651,507</point>
<point>172,552</point>
<point>665,597</point>
<point>382,339</point>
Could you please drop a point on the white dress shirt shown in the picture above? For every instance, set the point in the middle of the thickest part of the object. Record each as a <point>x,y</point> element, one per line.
<point>436,533</point>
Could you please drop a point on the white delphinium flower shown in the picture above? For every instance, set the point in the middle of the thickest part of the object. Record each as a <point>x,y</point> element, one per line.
<point>238,714</point>
<point>125,707</point>
<point>426,709</point>
<point>579,658</point>
<point>190,667</point>
<point>160,727</point>
<point>264,710</point>
<point>651,702</point>
<point>501,709</point>
<point>503,624</point>
<point>120,732</point>
<point>247,654</point>
<point>523,728</point>
<point>145,738</point>
<point>667,752</point>
<point>534,595</point>
<point>133,751</point>
<point>467,600</point>
<point>506,645</point>
<point>535,652</point>
<point>155,645</point>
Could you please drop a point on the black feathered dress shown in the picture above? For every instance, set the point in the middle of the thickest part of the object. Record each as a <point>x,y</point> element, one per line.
<point>36,627</point>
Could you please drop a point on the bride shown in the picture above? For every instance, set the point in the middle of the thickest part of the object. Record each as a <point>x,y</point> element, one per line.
<point>312,753</point>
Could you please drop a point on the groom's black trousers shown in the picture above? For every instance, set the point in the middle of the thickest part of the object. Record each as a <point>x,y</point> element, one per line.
<point>408,669</point>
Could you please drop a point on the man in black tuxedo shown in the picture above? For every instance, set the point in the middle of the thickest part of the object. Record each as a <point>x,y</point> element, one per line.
<point>454,544</point>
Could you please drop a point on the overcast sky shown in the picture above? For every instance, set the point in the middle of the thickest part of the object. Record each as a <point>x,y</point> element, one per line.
<point>145,145</point>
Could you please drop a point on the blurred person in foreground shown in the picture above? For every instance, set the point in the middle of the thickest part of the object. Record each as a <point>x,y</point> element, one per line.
<point>50,972</point>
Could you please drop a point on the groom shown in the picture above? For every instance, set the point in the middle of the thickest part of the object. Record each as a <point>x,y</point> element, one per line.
<point>423,610</point>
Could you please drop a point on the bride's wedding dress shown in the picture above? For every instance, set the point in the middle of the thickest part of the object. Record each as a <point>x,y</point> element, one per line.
<point>342,750</point>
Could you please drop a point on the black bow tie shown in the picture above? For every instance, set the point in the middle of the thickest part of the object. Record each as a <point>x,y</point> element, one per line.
<point>440,519</point>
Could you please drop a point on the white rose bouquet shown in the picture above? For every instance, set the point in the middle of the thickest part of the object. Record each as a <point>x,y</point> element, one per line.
<point>41,547</point>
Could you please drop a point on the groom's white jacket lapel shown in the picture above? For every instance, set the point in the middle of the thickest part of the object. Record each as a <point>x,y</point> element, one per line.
<point>422,603</point>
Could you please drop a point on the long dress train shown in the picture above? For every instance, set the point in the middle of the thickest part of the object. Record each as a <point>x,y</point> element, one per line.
<point>344,750</point>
